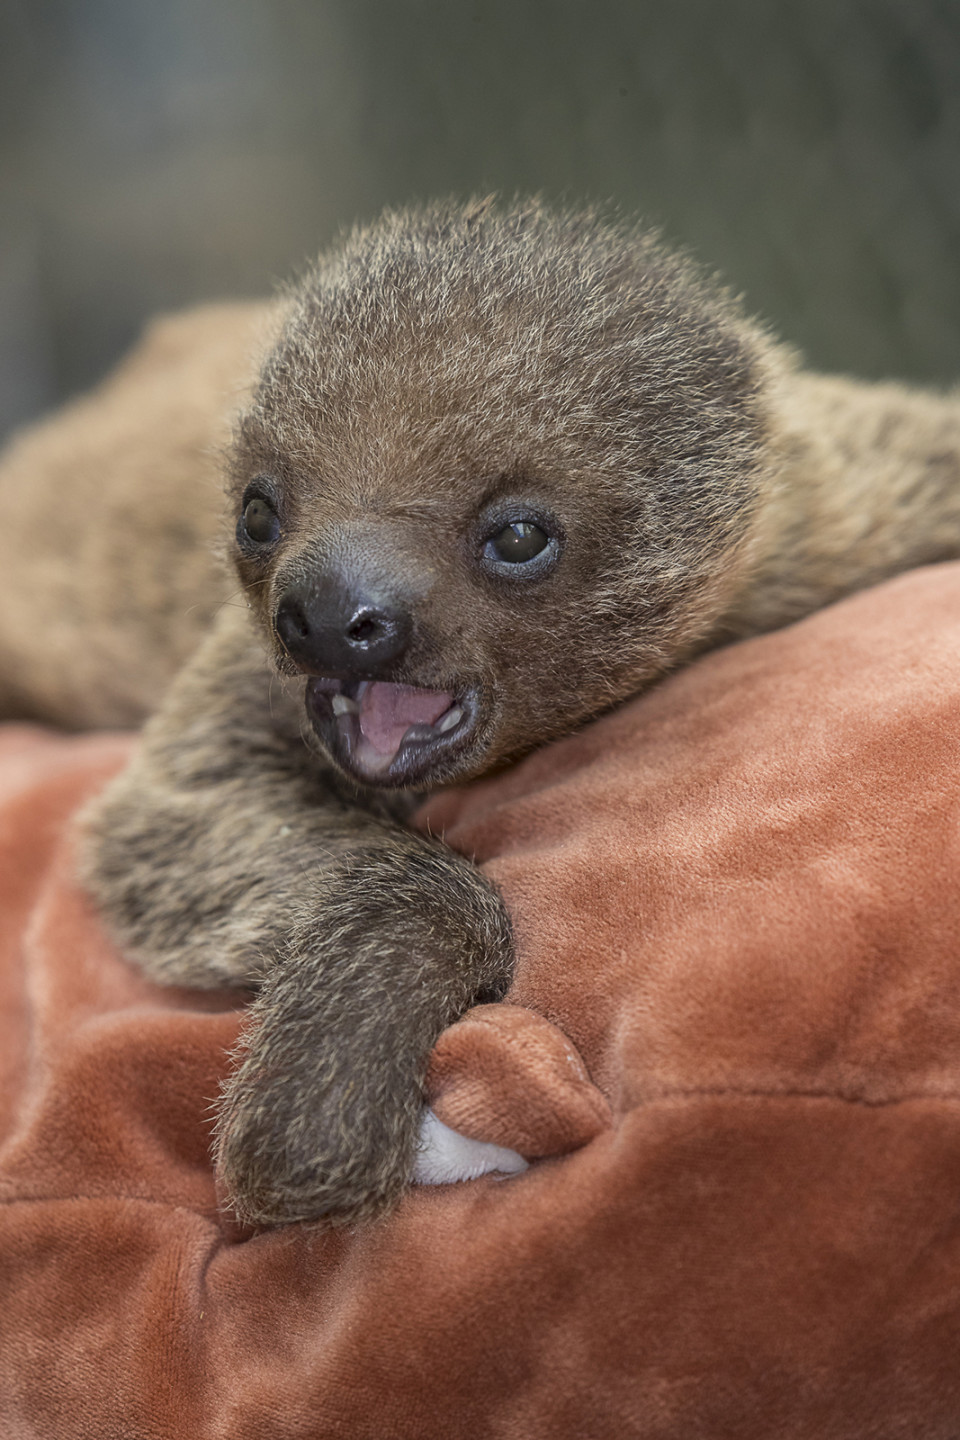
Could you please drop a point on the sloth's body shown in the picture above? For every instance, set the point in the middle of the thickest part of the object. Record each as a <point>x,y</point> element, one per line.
<point>499,472</point>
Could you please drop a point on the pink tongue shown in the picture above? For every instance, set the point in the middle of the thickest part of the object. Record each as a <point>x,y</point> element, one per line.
<point>388,711</point>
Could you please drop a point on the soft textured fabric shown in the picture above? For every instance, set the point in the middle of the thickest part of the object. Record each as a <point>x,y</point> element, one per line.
<point>732,1053</point>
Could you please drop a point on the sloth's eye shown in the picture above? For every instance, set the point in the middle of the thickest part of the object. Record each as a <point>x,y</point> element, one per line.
<point>517,542</point>
<point>260,522</point>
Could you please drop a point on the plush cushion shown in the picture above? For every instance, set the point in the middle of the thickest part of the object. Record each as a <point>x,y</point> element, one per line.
<point>732,1054</point>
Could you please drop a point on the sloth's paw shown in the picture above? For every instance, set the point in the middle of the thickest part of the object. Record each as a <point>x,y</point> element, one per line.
<point>321,1117</point>
<point>284,1155</point>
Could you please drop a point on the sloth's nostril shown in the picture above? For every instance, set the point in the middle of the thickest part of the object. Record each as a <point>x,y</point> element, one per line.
<point>362,631</point>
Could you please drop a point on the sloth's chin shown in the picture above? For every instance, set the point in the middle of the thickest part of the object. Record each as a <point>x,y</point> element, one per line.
<point>391,735</point>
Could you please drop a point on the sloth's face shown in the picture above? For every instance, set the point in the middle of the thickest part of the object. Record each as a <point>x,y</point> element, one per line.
<point>434,637</point>
<point>446,617</point>
<point>494,480</point>
<point>386,619</point>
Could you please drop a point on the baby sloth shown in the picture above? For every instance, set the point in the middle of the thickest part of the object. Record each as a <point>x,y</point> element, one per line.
<point>502,470</point>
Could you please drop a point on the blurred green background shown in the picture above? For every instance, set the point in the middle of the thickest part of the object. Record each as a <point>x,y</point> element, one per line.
<point>156,152</point>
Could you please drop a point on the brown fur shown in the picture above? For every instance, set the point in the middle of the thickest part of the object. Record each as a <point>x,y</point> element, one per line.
<point>439,371</point>
<point>112,510</point>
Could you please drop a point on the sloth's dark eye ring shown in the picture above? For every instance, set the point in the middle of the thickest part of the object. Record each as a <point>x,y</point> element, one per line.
<point>517,543</point>
<point>260,522</point>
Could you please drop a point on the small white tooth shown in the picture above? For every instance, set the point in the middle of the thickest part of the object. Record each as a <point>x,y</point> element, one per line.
<point>452,717</point>
<point>343,705</point>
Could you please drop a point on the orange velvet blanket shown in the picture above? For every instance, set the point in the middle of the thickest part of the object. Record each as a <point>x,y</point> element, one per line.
<point>733,1054</point>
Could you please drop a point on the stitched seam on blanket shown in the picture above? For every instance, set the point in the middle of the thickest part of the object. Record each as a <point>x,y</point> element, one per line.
<point>210,1217</point>
<point>721,1092</point>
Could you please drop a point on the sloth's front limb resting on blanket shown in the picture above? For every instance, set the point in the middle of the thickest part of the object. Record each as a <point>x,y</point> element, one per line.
<point>229,853</point>
<point>322,1115</point>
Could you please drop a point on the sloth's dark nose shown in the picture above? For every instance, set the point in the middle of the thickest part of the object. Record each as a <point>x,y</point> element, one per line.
<point>327,629</point>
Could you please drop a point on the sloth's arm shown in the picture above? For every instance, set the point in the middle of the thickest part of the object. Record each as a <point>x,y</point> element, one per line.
<point>323,1113</point>
<point>226,854</point>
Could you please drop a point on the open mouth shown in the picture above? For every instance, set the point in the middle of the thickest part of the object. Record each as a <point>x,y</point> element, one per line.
<point>388,734</point>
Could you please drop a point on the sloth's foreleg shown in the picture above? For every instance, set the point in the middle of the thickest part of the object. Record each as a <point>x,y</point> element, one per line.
<point>321,1116</point>
<point>227,855</point>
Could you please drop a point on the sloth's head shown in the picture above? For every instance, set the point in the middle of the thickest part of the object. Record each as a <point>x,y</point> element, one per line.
<point>498,474</point>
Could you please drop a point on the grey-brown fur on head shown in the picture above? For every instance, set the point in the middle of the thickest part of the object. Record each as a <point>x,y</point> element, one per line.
<point>437,373</point>
<point>447,357</point>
